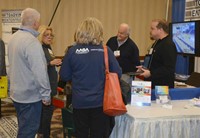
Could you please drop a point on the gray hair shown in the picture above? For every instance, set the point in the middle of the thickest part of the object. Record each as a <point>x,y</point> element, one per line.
<point>29,16</point>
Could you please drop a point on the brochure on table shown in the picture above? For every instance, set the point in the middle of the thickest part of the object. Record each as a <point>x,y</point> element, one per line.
<point>141,93</point>
<point>162,94</point>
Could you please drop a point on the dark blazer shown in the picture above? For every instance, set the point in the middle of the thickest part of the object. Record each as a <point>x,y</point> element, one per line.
<point>163,62</point>
<point>52,73</point>
<point>2,59</point>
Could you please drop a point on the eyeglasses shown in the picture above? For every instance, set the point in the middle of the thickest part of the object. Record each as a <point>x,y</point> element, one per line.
<point>49,35</point>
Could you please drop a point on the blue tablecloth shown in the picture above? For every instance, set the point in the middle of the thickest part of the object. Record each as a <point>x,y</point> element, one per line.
<point>181,93</point>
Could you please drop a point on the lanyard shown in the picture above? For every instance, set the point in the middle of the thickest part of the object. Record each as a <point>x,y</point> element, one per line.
<point>153,47</point>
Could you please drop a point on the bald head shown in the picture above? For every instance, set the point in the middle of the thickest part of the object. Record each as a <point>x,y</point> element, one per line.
<point>125,27</point>
<point>123,32</point>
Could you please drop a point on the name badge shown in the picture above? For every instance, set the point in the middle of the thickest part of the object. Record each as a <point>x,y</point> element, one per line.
<point>117,53</point>
<point>51,53</point>
<point>151,51</point>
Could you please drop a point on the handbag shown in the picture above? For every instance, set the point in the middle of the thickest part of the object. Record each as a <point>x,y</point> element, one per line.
<point>113,104</point>
<point>3,86</point>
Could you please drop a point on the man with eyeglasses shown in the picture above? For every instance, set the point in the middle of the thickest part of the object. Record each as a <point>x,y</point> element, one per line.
<point>125,50</point>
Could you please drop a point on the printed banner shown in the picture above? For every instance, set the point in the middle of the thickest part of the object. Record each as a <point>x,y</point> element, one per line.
<point>11,20</point>
<point>192,12</point>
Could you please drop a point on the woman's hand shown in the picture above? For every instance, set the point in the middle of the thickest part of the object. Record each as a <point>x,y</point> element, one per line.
<point>56,62</point>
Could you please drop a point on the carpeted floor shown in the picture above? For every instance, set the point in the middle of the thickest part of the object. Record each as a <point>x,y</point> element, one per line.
<point>8,127</point>
<point>8,121</point>
<point>56,124</point>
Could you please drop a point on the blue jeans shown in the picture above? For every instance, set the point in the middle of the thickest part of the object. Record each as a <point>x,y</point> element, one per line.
<point>28,116</point>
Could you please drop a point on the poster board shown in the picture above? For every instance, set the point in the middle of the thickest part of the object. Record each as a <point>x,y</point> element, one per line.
<point>141,93</point>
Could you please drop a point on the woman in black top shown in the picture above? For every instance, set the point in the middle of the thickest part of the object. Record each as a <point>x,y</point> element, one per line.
<point>46,36</point>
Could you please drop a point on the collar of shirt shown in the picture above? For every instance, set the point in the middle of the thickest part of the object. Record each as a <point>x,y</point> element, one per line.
<point>32,31</point>
<point>121,42</point>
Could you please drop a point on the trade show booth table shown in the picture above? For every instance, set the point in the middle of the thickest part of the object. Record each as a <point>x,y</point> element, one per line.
<point>182,121</point>
<point>180,93</point>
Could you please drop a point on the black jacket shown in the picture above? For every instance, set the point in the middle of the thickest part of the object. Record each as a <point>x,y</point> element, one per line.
<point>52,73</point>
<point>163,62</point>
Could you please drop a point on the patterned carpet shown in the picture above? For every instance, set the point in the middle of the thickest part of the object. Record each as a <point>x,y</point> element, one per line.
<point>8,121</point>
<point>8,127</point>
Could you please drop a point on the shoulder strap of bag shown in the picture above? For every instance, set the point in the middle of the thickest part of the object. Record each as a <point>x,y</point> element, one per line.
<point>106,58</point>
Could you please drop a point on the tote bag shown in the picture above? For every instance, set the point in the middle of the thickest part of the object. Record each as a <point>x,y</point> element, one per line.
<point>113,104</point>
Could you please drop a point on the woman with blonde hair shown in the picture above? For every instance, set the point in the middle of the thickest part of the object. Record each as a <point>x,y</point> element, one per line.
<point>46,37</point>
<point>83,65</point>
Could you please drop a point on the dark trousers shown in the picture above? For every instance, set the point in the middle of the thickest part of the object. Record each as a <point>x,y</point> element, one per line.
<point>45,122</point>
<point>91,123</point>
<point>28,116</point>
